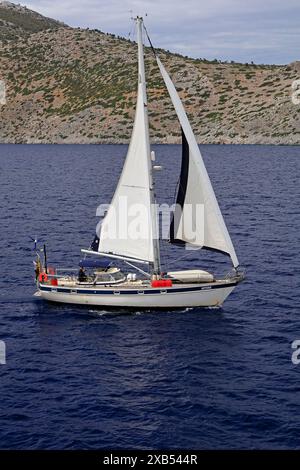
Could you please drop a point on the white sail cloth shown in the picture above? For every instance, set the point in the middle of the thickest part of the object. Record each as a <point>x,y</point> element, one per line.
<point>198,192</point>
<point>127,228</point>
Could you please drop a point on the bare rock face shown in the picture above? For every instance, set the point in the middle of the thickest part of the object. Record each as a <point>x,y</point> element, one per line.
<point>79,86</point>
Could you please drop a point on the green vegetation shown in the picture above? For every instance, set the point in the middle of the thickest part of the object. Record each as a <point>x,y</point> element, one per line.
<point>214,116</point>
<point>69,84</point>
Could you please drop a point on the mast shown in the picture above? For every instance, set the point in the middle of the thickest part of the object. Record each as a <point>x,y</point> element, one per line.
<point>142,82</point>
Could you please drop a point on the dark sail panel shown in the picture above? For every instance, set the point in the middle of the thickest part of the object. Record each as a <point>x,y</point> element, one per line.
<point>183,181</point>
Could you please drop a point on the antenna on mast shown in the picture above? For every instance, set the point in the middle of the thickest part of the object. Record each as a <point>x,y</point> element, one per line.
<point>132,24</point>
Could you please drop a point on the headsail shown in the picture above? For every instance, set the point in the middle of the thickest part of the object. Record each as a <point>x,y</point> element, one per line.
<point>195,190</point>
<point>127,229</point>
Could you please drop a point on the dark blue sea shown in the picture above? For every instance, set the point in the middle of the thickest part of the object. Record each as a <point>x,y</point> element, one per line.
<point>82,378</point>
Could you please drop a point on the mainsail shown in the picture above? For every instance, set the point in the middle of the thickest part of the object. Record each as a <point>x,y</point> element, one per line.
<point>195,190</point>
<point>128,227</point>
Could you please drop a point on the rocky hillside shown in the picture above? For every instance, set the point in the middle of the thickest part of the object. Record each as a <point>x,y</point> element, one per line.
<point>79,86</point>
<point>17,21</point>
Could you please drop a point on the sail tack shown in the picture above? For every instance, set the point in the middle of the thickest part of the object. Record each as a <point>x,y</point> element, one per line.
<point>195,194</point>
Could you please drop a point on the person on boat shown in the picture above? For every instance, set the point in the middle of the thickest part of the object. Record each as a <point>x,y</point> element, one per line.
<point>82,277</point>
<point>37,268</point>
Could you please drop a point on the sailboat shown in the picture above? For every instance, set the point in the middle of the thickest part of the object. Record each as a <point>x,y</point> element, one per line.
<point>107,285</point>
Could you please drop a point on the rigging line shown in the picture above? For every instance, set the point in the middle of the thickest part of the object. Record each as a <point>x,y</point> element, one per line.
<point>165,247</point>
<point>176,189</point>
<point>164,250</point>
<point>151,45</point>
<point>138,269</point>
<point>131,32</point>
<point>165,260</point>
<point>163,255</point>
<point>178,183</point>
<point>184,256</point>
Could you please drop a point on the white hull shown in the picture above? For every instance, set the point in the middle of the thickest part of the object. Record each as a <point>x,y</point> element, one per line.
<point>179,297</point>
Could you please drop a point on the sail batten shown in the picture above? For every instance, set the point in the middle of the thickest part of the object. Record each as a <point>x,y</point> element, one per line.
<point>195,192</point>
